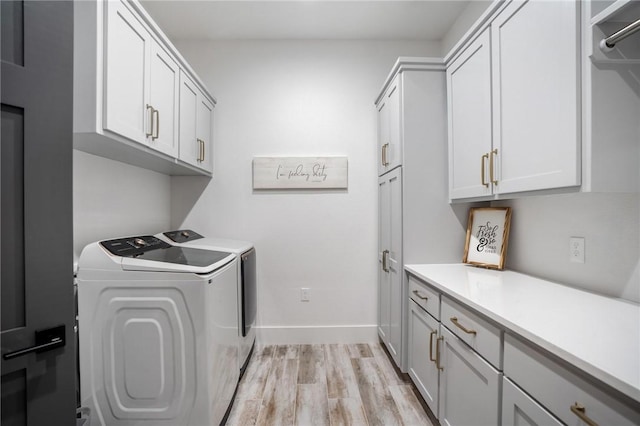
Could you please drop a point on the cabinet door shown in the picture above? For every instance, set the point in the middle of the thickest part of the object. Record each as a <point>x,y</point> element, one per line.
<point>519,409</point>
<point>189,147</point>
<point>536,95</point>
<point>163,98</point>
<point>383,135</point>
<point>395,265</point>
<point>469,104</point>
<point>204,132</point>
<point>469,386</point>
<point>389,130</point>
<point>423,332</point>
<point>128,46</point>
<point>384,235</point>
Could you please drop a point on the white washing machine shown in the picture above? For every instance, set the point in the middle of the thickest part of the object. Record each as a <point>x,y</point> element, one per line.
<point>247,286</point>
<point>158,333</point>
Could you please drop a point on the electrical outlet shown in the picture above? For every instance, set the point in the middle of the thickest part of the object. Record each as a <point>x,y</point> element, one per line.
<point>304,294</point>
<point>576,249</point>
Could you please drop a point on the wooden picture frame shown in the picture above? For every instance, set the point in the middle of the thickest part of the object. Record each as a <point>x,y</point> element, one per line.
<point>487,237</point>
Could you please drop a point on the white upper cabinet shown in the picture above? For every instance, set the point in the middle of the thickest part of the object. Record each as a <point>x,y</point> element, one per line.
<point>536,96</point>
<point>389,130</point>
<point>127,74</point>
<point>469,96</point>
<point>195,125</point>
<point>514,103</point>
<point>127,88</point>
<point>163,105</point>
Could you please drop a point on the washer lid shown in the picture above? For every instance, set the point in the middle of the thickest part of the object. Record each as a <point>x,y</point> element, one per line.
<point>148,253</point>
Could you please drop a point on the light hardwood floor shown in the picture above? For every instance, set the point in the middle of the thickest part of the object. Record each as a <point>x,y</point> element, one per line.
<point>331,385</point>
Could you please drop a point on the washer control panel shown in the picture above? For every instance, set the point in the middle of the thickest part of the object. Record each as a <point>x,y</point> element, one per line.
<point>183,235</point>
<point>134,246</point>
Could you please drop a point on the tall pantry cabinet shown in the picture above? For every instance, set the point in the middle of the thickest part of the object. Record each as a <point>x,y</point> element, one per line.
<point>416,223</point>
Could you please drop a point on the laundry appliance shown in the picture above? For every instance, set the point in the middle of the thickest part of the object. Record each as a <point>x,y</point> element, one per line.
<point>247,291</point>
<point>158,332</point>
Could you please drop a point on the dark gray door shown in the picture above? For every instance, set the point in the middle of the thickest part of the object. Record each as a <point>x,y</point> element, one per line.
<point>38,388</point>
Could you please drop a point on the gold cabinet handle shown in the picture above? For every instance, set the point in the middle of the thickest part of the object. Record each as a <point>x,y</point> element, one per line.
<point>149,107</point>
<point>385,149</point>
<point>420,296</point>
<point>454,320</point>
<point>491,177</point>
<point>580,411</point>
<point>385,260</point>
<point>484,182</point>
<point>157,124</point>
<point>438,353</point>
<point>200,149</point>
<point>433,333</point>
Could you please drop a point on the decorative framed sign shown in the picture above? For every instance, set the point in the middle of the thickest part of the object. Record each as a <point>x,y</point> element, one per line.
<point>300,172</point>
<point>487,237</point>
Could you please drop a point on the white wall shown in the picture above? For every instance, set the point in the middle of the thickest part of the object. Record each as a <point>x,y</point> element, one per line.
<point>610,223</point>
<point>113,199</point>
<point>296,98</point>
<point>467,18</point>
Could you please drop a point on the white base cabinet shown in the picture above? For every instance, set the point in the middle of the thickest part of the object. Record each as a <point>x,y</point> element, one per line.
<point>469,385</point>
<point>423,335</point>
<point>519,409</point>
<point>489,361</point>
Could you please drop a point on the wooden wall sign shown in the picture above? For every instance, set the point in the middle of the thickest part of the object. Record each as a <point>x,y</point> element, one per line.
<point>300,172</point>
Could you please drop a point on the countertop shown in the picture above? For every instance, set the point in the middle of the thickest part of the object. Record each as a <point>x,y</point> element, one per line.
<point>598,334</point>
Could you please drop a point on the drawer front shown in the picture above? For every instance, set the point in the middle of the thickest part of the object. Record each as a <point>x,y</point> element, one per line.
<point>483,337</point>
<point>469,385</point>
<point>558,389</point>
<point>425,296</point>
<point>519,409</point>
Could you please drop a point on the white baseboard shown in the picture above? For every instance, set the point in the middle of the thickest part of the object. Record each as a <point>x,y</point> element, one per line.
<point>277,335</point>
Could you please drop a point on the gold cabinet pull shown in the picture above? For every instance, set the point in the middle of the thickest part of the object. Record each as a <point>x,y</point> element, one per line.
<point>200,150</point>
<point>580,411</point>
<point>438,353</point>
<point>433,333</point>
<point>420,296</point>
<point>385,149</point>
<point>149,107</point>
<point>385,261</point>
<point>454,320</point>
<point>484,182</point>
<point>157,124</point>
<point>491,177</point>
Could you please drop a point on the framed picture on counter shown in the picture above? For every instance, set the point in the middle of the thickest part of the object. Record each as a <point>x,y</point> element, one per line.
<point>487,237</point>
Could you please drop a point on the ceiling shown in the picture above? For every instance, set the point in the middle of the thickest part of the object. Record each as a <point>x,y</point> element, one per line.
<point>305,19</point>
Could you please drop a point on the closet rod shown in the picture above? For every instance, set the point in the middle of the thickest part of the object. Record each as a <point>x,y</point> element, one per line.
<point>609,42</point>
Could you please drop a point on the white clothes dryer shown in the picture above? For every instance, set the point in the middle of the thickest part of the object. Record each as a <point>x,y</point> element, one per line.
<point>247,281</point>
<point>158,333</point>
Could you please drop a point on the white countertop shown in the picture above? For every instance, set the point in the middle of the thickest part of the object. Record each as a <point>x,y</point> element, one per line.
<point>597,334</point>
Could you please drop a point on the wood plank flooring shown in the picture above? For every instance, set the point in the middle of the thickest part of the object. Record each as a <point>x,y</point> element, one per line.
<point>332,385</point>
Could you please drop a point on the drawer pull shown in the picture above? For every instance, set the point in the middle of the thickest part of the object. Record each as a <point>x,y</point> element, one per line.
<point>580,411</point>
<point>433,333</point>
<point>420,296</point>
<point>454,320</point>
